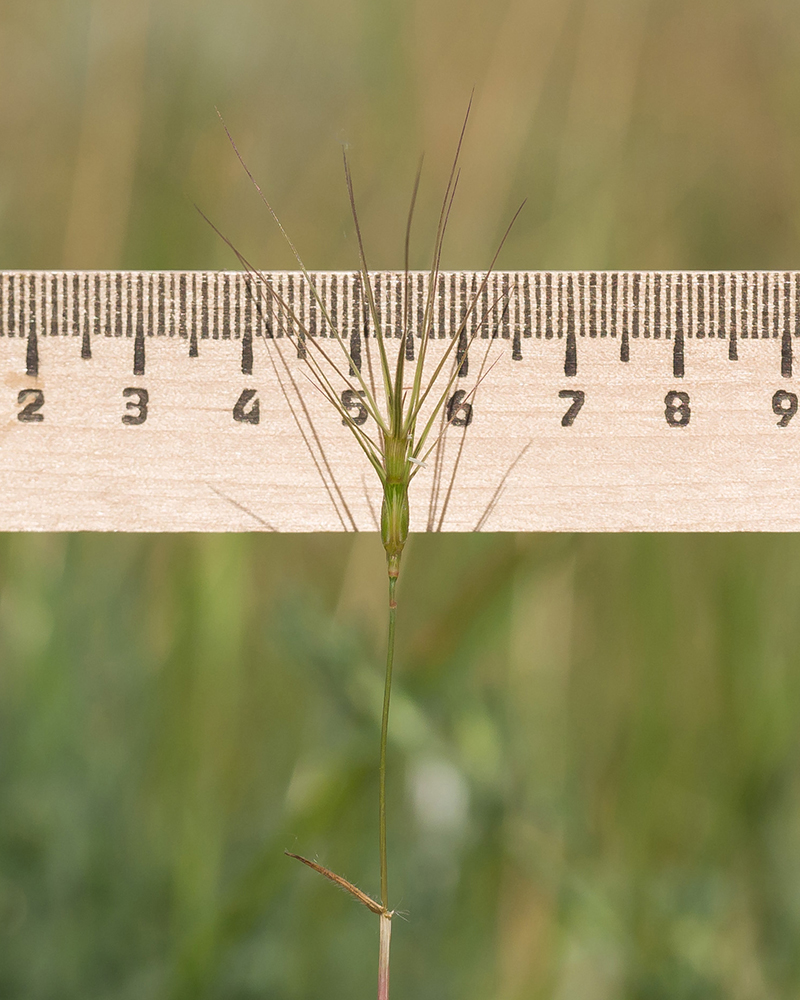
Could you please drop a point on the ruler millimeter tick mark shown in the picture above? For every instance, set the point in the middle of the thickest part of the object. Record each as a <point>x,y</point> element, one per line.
<point>194,306</point>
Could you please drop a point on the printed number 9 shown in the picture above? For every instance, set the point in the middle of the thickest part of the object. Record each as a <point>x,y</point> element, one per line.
<point>784,405</point>
<point>677,409</point>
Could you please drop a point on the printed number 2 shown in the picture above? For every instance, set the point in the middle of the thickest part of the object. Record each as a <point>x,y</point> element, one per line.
<point>677,409</point>
<point>577,396</point>
<point>138,406</point>
<point>34,401</point>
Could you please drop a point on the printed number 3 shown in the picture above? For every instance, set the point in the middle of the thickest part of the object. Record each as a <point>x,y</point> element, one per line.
<point>138,406</point>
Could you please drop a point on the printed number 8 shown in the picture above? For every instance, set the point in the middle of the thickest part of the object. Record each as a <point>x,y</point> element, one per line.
<point>677,409</point>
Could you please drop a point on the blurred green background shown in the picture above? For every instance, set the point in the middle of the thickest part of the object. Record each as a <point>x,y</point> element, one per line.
<point>595,764</point>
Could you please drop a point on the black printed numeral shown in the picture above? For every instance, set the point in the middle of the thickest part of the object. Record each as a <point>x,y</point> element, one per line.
<point>459,413</point>
<point>677,409</point>
<point>578,396</point>
<point>137,406</point>
<point>356,409</point>
<point>784,405</point>
<point>34,401</point>
<point>244,413</point>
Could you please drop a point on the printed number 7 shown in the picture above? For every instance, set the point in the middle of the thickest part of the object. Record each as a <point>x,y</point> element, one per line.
<point>577,396</point>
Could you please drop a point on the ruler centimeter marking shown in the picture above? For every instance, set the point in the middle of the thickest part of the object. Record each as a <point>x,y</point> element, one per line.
<point>203,349</point>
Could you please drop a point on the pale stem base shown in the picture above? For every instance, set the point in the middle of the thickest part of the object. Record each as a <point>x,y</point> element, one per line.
<point>383,959</point>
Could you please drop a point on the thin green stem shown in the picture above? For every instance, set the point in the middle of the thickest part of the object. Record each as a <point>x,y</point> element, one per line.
<point>387,691</point>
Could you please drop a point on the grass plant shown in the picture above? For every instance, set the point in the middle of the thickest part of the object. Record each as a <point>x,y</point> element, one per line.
<point>407,404</point>
<point>623,710</point>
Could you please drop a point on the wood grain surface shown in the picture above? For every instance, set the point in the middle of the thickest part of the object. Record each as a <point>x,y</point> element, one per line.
<point>688,417</point>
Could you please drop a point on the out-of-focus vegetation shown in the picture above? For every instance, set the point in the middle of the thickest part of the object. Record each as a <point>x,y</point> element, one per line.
<point>595,763</point>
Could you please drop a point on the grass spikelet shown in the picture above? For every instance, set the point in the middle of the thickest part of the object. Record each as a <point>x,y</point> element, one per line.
<point>408,415</point>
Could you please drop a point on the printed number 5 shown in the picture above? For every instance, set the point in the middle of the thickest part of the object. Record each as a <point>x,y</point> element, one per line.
<point>577,396</point>
<point>138,406</point>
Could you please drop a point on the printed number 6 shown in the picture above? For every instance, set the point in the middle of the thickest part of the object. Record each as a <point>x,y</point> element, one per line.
<point>139,405</point>
<point>251,415</point>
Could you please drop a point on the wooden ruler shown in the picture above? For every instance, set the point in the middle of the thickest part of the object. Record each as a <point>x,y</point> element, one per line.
<point>608,401</point>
